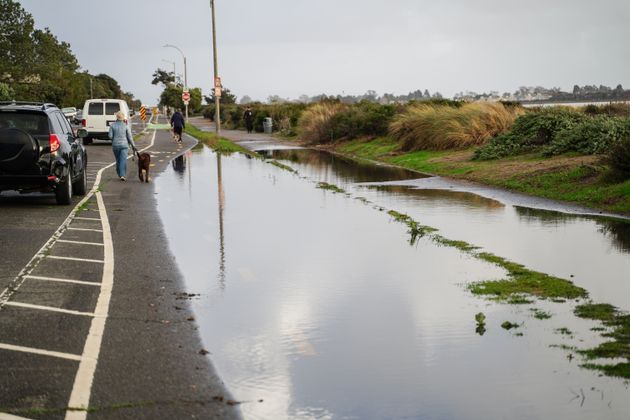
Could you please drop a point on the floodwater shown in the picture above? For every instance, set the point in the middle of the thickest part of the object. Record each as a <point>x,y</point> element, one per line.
<point>314,305</point>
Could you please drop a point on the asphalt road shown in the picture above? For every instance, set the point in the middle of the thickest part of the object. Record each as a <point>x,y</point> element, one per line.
<point>93,313</point>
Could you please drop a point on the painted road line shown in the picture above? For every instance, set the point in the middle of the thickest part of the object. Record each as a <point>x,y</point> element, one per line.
<point>85,230</point>
<point>47,308</point>
<point>87,218</point>
<point>5,416</point>
<point>42,352</point>
<point>58,280</point>
<point>82,388</point>
<point>57,257</point>
<point>65,241</point>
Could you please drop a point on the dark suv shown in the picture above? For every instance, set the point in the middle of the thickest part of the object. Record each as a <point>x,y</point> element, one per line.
<point>39,151</point>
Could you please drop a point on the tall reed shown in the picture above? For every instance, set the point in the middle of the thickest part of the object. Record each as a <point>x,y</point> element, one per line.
<point>315,124</point>
<point>440,127</point>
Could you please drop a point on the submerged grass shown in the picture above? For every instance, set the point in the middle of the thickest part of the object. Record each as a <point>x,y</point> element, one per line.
<point>618,330</point>
<point>330,187</point>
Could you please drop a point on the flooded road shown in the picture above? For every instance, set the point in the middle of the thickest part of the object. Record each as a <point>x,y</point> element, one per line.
<point>314,305</point>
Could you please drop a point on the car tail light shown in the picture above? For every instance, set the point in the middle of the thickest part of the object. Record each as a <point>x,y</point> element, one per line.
<point>54,143</point>
<point>84,123</point>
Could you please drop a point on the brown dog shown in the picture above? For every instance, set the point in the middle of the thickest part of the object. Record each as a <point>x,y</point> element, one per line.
<point>144,163</point>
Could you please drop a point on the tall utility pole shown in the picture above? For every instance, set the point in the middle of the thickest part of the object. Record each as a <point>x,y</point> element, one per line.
<point>217,98</point>
<point>185,72</point>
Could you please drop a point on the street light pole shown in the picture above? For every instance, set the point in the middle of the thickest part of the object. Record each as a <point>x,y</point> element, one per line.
<point>185,72</point>
<point>174,72</point>
<point>217,104</point>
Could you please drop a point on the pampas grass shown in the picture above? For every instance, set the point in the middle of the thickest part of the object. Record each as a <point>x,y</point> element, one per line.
<point>440,127</point>
<point>315,123</point>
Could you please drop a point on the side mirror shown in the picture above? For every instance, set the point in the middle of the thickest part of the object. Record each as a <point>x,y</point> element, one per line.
<point>82,133</point>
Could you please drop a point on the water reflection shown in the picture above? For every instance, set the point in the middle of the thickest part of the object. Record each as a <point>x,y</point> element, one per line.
<point>617,230</point>
<point>440,198</point>
<point>221,198</point>
<point>330,314</point>
<point>179,163</point>
<point>332,167</point>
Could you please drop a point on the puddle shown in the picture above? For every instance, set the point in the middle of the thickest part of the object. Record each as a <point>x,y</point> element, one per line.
<point>316,304</point>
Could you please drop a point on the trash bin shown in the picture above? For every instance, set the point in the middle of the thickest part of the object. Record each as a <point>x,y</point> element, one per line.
<point>267,125</point>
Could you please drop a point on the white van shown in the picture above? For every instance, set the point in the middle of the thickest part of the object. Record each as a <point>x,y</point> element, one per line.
<point>98,114</point>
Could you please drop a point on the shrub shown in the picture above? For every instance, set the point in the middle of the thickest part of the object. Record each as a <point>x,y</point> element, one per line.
<point>315,126</point>
<point>619,157</point>
<point>364,119</point>
<point>594,135</point>
<point>611,109</point>
<point>533,129</point>
<point>440,127</point>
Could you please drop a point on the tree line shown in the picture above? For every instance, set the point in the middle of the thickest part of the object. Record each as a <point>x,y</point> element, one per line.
<point>36,66</point>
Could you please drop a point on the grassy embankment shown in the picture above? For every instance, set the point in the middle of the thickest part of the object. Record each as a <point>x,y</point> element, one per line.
<point>553,153</point>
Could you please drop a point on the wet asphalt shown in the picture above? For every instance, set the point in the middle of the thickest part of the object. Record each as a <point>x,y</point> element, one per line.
<point>150,363</point>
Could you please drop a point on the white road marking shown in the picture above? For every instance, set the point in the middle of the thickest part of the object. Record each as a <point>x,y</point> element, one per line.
<point>5,416</point>
<point>82,388</point>
<point>85,230</point>
<point>87,218</point>
<point>41,352</point>
<point>47,308</point>
<point>65,241</point>
<point>57,257</point>
<point>58,280</point>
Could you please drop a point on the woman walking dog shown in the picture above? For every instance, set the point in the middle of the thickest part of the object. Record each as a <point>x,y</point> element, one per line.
<point>120,134</point>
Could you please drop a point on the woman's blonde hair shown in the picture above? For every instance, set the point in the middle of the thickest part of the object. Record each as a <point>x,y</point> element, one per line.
<point>120,115</point>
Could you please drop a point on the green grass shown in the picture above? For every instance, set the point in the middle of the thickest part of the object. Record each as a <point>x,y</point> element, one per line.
<point>218,144</point>
<point>589,185</point>
<point>540,314</point>
<point>330,187</point>
<point>282,166</point>
<point>507,325</point>
<point>523,281</point>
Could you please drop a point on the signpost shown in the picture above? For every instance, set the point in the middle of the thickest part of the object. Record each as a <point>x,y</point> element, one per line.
<point>143,114</point>
<point>217,87</point>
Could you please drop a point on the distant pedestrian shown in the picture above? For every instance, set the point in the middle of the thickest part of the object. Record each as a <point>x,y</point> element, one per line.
<point>120,135</point>
<point>248,116</point>
<point>178,124</point>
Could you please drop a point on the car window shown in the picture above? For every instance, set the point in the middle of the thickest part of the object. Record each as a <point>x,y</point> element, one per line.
<point>63,121</point>
<point>111,108</point>
<point>95,108</point>
<point>56,125</point>
<point>31,122</point>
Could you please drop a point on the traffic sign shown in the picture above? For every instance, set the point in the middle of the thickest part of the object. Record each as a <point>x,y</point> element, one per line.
<point>217,92</point>
<point>186,97</point>
<point>143,113</point>
<point>217,82</point>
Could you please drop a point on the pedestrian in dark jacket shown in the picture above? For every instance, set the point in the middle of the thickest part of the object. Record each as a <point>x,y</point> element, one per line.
<point>178,124</point>
<point>248,116</point>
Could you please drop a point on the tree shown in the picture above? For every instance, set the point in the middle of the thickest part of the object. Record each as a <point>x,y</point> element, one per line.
<point>227,98</point>
<point>6,93</point>
<point>247,100</point>
<point>163,77</point>
<point>426,93</point>
<point>16,46</point>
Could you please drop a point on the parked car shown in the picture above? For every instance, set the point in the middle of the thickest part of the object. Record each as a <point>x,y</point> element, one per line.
<point>78,117</point>
<point>98,114</point>
<point>70,113</point>
<point>39,152</point>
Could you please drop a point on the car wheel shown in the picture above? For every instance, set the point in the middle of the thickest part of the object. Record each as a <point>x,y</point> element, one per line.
<point>63,192</point>
<point>80,186</point>
<point>87,140</point>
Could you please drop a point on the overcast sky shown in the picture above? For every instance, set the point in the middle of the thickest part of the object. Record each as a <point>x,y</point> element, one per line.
<point>294,47</point>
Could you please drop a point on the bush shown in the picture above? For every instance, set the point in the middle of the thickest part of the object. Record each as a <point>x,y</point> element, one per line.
<point>364,119</point>
<point>285,116</point>
<point>594,135</point>
<point>315,126</point>
<point>439,127</point>
<point>533,129</point>
<point>611,109</point>
<point>619,157</point>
